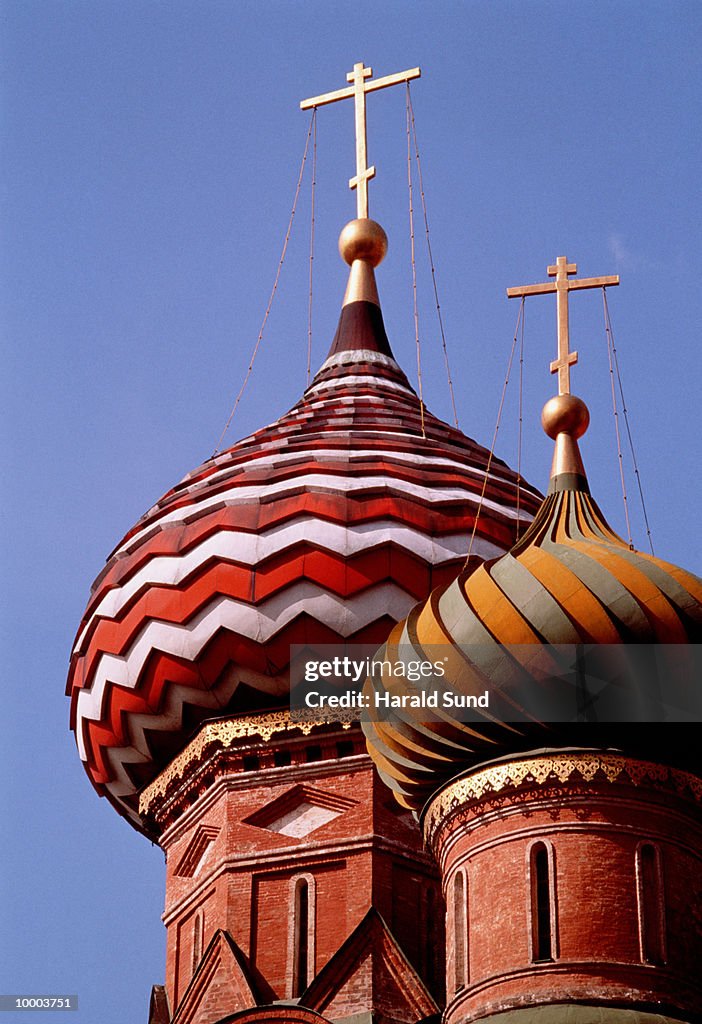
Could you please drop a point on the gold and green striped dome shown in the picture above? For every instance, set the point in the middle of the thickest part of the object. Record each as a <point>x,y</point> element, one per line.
<point>571,580</point>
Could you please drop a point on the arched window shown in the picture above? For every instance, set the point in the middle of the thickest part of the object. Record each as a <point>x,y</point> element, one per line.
<point>198,925</point>
<point>542,895</point>
<point>302,934</point>
<point>651,904</point>
<point>460,930</point>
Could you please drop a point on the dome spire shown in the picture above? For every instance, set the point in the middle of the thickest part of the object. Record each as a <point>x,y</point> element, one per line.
<point>362,243</point>
<point>561,286</point>
<point>565,417</point>
<point>361,85</point>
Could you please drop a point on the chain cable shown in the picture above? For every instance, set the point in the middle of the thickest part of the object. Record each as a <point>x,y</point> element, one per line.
<point>617,434</point>
<point>614,368</point>
<point>521,418</point>
<point>274,289</point>
<point>314,183</point>
<point>410,111</point>
<point>414,273</point>
<point>520,318</point>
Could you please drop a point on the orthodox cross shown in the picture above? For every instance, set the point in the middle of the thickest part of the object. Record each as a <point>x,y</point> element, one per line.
<point>358,91</point>
<point>561,286</point>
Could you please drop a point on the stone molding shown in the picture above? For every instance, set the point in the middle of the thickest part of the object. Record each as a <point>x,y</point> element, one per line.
<point>541,771</point>
<point>225,733</point>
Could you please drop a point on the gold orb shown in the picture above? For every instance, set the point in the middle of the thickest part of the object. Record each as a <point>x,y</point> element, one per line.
<point>363,239</point>
<point>565,414</point>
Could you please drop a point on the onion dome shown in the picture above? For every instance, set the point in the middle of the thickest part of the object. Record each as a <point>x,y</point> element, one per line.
<point>570,580</point>
<point>326,526</point>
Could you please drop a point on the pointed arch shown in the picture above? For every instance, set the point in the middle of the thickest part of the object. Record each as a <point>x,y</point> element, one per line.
<point>541,886</point>
<point>301,935</point>
<point>459,931</point>
<point>198,942</point>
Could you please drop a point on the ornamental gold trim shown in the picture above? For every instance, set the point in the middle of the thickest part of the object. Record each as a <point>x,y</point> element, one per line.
<point>225,734</point>
<point>542,771</point>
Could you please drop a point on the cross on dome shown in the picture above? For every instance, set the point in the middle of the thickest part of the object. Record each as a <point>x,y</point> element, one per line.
<point>358,91</point>
<point>561,286</point>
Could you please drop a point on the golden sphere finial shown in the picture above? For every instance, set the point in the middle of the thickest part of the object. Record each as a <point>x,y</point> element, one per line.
<point>565,414</point>
<point>363,239</point>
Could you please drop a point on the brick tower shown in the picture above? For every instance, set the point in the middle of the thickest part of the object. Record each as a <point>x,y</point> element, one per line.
<point>570,854</point>
<point>297,890</point>
<point>592,864</point>
<point>292,878</point>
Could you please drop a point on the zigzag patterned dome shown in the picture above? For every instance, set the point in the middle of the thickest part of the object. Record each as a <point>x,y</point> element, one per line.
<point>326,526</point>
<point>571,580</point>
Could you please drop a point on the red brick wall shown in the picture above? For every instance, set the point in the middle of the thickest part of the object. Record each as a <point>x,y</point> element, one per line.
<point>593,832</point>
<point>370,854</point>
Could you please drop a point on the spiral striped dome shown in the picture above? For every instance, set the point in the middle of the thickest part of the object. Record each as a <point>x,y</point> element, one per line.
<point>326,526</point>
<point>571,580</point>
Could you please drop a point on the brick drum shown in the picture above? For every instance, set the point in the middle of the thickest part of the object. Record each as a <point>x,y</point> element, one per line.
<point>571,878</point>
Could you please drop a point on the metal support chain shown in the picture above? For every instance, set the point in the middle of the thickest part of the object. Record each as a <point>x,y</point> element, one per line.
<point>274,289</point>
<point>410,114</point>
<point>521,410</point>
<point>614,369</point>
<point>314,183</point>
<point>520,319</point>
<point>414,273</point>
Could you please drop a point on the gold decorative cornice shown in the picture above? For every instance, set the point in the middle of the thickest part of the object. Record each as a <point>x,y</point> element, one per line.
<point>225,733</point>
<point>554,769</point>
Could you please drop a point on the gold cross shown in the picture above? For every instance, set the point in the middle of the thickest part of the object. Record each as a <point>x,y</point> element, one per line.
<point>561,287</point>
<point>358,90</point>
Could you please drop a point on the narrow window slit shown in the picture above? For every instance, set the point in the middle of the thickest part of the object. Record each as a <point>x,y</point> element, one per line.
<point>541,903</point>
<point>651,904</point>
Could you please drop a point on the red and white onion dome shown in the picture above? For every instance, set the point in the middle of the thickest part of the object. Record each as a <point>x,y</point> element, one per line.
<point>325,526</point>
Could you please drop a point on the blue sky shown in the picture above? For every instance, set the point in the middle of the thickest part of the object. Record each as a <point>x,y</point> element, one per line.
<point>150,154</point>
